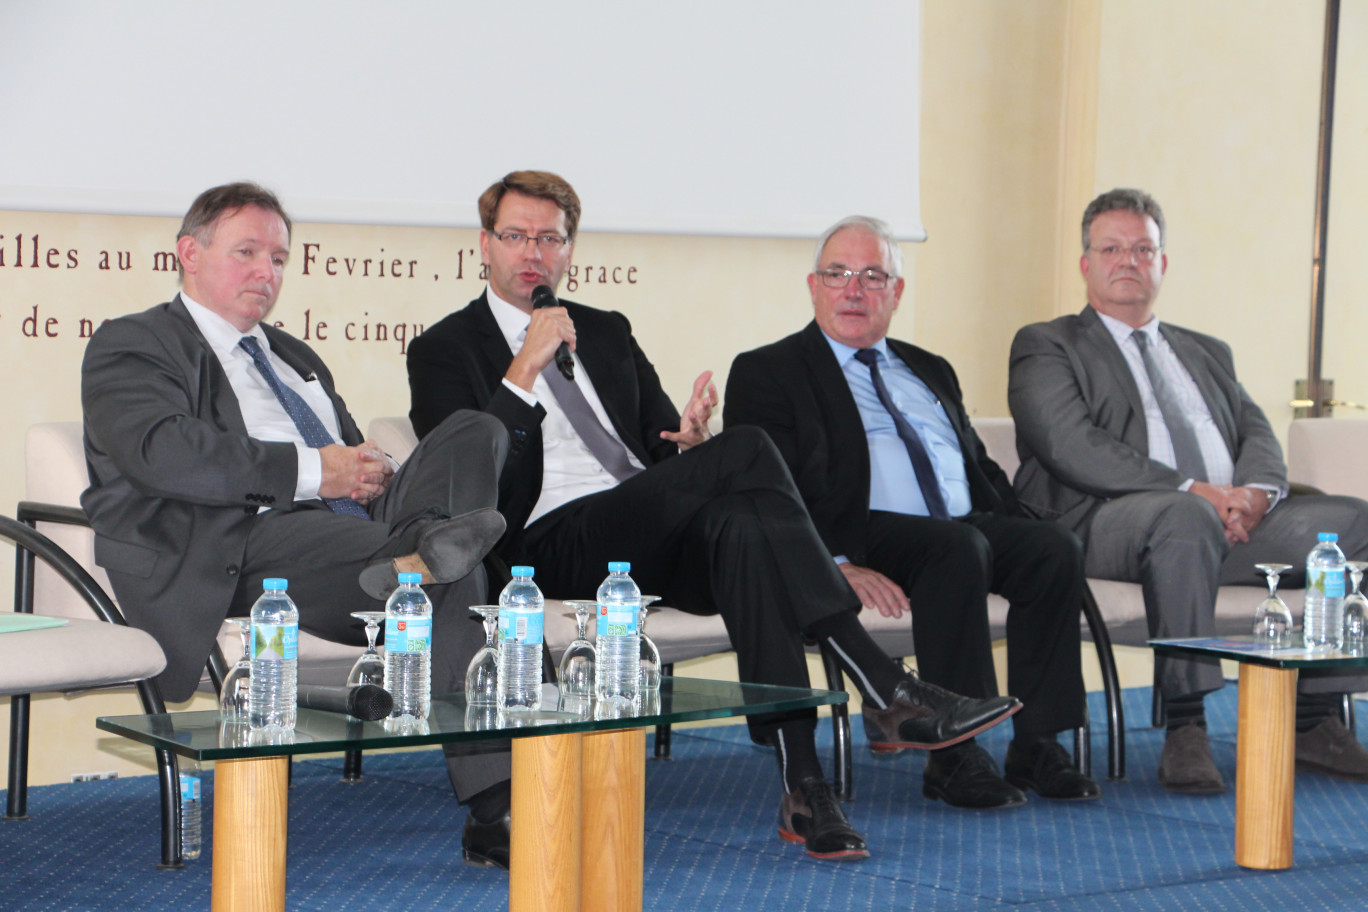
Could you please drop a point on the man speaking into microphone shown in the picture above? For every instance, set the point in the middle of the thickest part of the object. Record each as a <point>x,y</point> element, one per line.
<point>602,467</point>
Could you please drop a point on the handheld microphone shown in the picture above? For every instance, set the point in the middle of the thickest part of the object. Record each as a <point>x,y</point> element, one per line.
<point>364,701</point>
<point>543,296</point>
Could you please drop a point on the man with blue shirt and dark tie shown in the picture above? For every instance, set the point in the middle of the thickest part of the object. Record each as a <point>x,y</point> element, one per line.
<point>917,516</point>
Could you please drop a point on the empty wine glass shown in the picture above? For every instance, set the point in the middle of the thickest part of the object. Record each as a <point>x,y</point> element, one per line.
<point>482,675</point>
<point>1272,621</point>
<point>576,673</point>
<point>650,655</point>
<point>370,667</point>
<point>1356,611</point>
<point>237,684</point>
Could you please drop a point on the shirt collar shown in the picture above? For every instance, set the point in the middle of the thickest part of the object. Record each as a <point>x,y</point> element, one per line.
<point>222,336</point>
<point>1122,331</point>
<point>844,353</point>
<point>512,321</point>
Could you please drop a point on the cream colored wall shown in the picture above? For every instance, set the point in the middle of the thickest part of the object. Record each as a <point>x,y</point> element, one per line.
<point>1028,110</point>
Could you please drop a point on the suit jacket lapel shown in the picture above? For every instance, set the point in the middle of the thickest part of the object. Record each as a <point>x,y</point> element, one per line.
<point>1195,363</point>
<point>1101,339</point>
<point>832,391</point>
<point>198,349</point>
<point>981,490</point>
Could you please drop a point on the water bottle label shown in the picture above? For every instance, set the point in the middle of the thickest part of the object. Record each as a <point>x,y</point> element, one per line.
<point>1329,583</point>
<point>617,620</point>
<point>408,635</point>
<point>189,787</point>
<point>275,642</point>
<point>520,627</point>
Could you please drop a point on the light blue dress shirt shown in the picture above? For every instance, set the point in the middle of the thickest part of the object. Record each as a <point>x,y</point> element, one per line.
<point>892,480</point>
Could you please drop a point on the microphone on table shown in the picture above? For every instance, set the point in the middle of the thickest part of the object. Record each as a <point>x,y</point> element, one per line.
<point>366,702</point>
<point>543,296</point>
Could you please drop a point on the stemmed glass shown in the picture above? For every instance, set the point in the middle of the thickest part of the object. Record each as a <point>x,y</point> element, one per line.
<point>370,667</point>
<point>1272,621</point>
<point>1356,611</point>
<point>650,655</point>
<point>237,684</point>
<point>576,672</point>
<point>482,675</point>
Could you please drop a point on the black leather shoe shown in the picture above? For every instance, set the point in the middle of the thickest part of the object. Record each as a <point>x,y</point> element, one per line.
<point>812,817</point>
<point>449,548</point>
<point>1048,771</point>
<point>928,717</point>
<point>485,845</point>
<point>966,777</point>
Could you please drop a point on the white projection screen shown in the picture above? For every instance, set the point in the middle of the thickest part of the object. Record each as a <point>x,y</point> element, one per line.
<point>764,118</point>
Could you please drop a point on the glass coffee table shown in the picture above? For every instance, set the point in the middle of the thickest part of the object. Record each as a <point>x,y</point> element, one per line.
<point>578,785</point>
<point>1265,737</point>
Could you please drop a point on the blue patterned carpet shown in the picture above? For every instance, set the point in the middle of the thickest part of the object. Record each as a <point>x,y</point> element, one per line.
<point>393,843</point>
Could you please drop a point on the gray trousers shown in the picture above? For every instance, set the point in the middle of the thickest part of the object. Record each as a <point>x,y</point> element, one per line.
<point>1172,543</point>
<point>455,469</point>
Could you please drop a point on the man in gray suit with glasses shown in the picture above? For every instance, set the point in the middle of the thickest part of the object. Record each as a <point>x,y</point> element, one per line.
<point>1137,435</point>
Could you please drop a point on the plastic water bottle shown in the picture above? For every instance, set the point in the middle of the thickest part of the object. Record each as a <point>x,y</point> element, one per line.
<point>617,665</point>
<point>1323,620</point>
<point>275,659</point>
<point>191,809</point>
<point>408,648</point>
<point>521,615</point>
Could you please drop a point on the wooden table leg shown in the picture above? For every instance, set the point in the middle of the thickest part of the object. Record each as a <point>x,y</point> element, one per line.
<point>544,864</point>
<point>250,817</point>
<point>613,839</point>
<point>1264,769</point>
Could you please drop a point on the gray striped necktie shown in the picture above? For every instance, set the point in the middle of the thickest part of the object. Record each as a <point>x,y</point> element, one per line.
<point>1186,452</point>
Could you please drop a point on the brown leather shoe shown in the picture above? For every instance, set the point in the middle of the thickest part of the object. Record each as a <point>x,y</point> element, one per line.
<point>1332,750</point>
<point>812,817</point>
<point>1185,764</point>
<point>928,717</point>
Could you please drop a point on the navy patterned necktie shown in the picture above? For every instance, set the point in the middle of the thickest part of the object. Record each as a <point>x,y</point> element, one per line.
<point>304,418</point>
<point>1187,454</point>
<point>916,448</point>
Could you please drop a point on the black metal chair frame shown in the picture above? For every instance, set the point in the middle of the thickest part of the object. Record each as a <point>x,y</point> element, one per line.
<point>29,542</point>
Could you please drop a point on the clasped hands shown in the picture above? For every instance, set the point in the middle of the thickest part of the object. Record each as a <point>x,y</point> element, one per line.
<point>1240,508</point>
<point>359,472</point>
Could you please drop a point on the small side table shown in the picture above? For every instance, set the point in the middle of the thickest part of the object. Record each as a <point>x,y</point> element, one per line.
<point>1265,737</point>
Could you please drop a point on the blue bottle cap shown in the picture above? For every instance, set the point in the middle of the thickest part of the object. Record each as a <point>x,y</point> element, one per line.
<point>275,583</point>
<point>522,571</point>
<point>619,567</point>
<point>1328,536</point>
<point>407,578</point>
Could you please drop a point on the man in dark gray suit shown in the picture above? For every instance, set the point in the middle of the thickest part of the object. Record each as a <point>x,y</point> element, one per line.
<point>220,454</point>
<point>1138,436</point>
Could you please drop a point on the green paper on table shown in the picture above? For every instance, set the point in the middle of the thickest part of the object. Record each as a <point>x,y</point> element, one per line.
<point>11,622</point>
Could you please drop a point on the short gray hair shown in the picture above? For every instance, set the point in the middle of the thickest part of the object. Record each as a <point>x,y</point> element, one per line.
<point>1123,199</point>
<point>877,227</point>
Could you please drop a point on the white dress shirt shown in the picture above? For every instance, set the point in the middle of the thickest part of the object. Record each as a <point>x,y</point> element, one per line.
<point>1220,465</point>
<point>569,469</point>
<point>265,417</point>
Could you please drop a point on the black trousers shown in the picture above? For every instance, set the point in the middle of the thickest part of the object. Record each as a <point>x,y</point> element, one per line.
<point>719,529</point>
<point>948,568</point>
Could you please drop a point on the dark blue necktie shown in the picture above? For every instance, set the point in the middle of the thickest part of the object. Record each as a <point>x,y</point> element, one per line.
<point>916,449</point>
<point>305,420</point>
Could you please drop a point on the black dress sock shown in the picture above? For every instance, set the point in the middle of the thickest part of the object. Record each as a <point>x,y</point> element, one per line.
<point>796,750</point>
<point>1186,710</point>
<point>488,805</point>
<point>872,672</point>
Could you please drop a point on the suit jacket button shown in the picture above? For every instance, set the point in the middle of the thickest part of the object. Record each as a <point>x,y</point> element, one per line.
<point>232,570</point>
